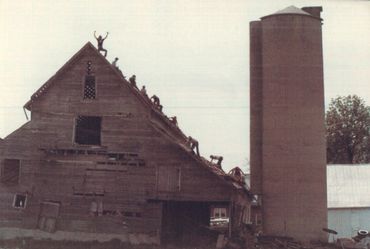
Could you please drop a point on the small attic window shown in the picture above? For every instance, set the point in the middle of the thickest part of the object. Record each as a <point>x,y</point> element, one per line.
<point>89,87</point>
<point>87,130</point>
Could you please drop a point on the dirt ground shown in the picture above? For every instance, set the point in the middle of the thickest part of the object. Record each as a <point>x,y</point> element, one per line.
<point>28,243</point>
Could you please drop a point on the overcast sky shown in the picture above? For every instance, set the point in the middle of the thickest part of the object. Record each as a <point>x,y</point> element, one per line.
<point>193,54</point>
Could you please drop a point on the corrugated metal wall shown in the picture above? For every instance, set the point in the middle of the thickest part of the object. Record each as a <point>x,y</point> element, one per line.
<point>347,221</point>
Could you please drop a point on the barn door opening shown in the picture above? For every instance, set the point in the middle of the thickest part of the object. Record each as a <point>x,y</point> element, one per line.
<point>186,223</point>
<point>49,212</point>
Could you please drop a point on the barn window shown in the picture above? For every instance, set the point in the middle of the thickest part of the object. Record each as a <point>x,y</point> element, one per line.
<point>49,213</point>
<point>96,208</point>
<point>247,215</point>
<point>219,217</point>
<point>89,87</point>
<point>87,130</point>
<point>219,212</point>
<point>10,171</point>
<point>169,179</point>
<point>20,201</point>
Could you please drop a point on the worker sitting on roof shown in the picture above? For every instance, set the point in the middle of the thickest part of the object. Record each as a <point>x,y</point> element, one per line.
<point>156,102</point>
<point>238,174</point>
<point>114,63</point>
<point>193,144</point>
<point>133,81</point>
<point>143,91</point>
<point>100,40</point>
<point>173,120</point>
<point>218,158</point>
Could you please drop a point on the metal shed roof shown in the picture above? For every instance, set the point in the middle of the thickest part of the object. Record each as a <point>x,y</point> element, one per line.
<point>348,185</point>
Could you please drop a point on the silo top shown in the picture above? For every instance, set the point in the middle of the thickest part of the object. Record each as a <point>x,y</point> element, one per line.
<point>291,10</point>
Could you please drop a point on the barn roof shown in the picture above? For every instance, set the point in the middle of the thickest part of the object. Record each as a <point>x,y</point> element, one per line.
<point>172,131</point>
<point>348,186</point>
<point>44,88</point>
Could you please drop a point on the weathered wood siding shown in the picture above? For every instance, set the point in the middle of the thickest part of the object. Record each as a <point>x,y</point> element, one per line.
<point>55,168</point>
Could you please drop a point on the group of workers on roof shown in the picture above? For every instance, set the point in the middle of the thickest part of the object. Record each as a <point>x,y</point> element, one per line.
<point>192,143</point>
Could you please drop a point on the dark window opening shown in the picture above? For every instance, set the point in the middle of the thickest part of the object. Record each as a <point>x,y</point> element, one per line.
<point>131,214</point>
<point>89,87</point>
<point>187,221</point>
<point>111,212</point>
<point>10,171</point>
<point>88,130</point>
<point>20,201</point>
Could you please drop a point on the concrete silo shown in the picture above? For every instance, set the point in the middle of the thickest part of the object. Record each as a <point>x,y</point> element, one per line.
<point>288,151</point>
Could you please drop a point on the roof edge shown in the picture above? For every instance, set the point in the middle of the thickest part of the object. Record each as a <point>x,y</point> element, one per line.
<point>347,207</point>
<point>293,10</point>
<point>290,14</point>
<point>220,174</point>
<point>46,85</point>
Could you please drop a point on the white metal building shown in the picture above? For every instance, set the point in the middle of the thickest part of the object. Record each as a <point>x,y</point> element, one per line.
<point>348,198</point>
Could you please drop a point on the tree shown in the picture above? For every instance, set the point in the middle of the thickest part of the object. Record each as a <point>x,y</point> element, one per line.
<point>347,131</point>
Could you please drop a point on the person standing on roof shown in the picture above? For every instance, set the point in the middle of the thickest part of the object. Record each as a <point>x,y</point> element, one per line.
<point>100,40</point>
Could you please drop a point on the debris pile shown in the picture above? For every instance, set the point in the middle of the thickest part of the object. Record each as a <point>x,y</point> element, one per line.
<point>275,242</point>
<point>361,241</point>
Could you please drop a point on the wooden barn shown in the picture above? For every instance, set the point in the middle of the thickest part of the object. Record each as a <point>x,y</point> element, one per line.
<point>97,161</point>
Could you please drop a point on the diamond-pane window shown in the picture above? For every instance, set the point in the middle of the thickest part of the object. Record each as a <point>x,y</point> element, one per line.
<point>89,87</point>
